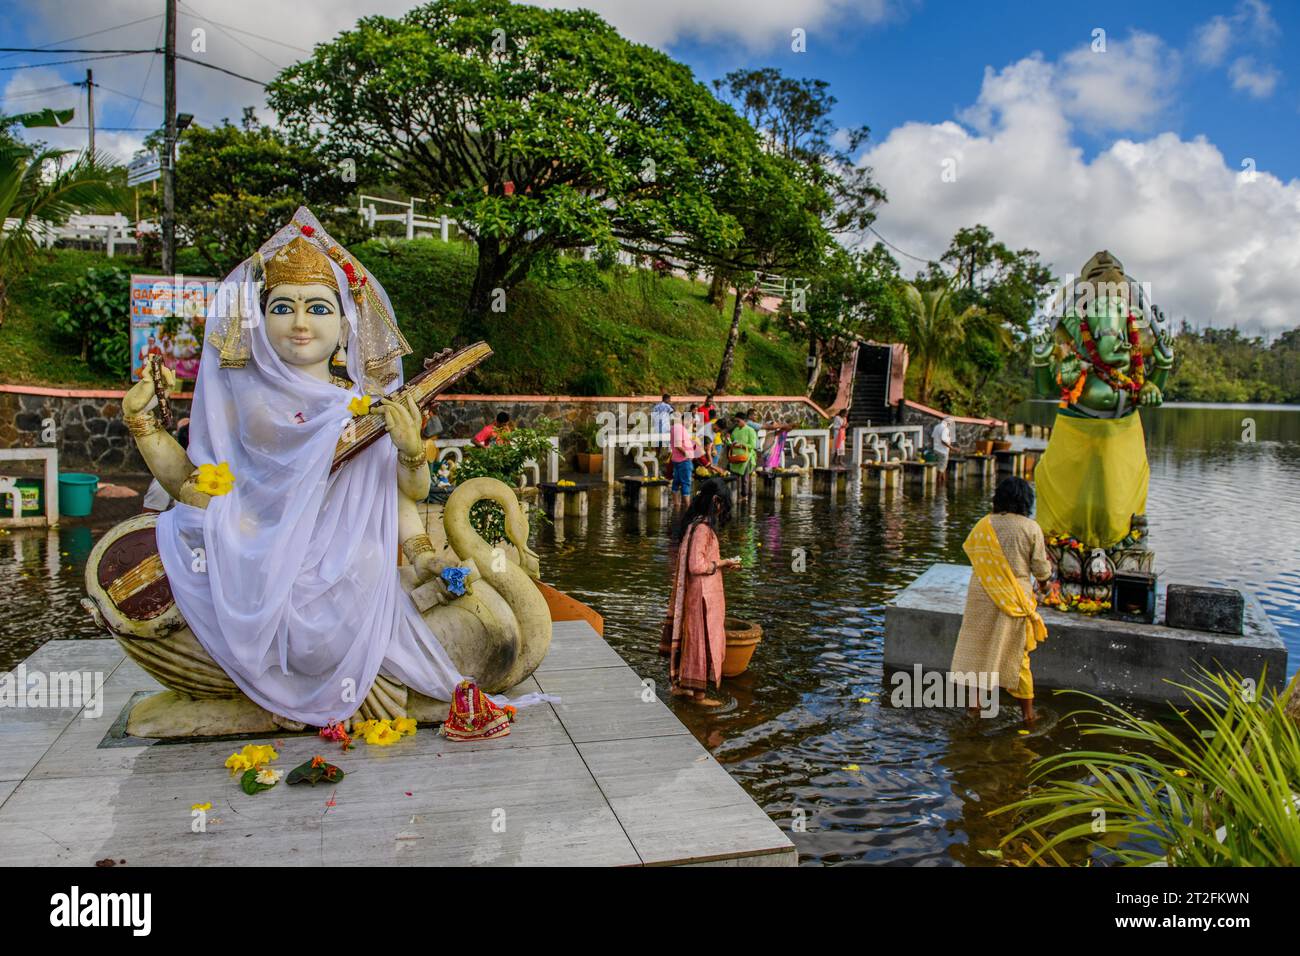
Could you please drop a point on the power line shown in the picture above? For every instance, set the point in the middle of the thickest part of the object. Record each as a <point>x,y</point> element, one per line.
<point>900,251</point>
<point>220,69</point>
<point>138,99</point>
<point>148,73</point>
<point>81,59</point>
<point>190,12</point>
<point>112,53</point>
<point>82,36</point>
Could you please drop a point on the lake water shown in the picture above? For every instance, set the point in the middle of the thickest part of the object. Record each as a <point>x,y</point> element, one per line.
<point>1222,511</point>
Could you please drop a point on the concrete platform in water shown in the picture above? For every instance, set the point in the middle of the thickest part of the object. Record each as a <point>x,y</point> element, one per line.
<point>1106,657</point>
<point>606,777</point>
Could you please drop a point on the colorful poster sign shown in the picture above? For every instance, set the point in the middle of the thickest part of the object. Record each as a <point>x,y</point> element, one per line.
<point>167,318</point>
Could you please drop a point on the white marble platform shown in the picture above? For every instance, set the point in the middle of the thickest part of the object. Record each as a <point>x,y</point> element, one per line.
<point>603,778</point>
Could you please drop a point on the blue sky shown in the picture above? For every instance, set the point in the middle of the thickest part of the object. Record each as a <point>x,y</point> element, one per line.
<point>927,62</point>
<point>1054,145</point>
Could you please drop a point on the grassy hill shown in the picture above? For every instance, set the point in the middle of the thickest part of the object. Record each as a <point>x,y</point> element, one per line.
<point>576,330</point>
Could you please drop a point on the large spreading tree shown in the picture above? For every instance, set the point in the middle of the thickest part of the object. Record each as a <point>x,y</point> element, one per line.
<point>539,130</point>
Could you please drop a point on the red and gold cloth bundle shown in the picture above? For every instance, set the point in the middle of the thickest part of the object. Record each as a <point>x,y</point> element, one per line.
<point>474,717</point>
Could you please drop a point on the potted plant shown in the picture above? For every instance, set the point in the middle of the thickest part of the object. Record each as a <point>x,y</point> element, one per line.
<point>590,458</point>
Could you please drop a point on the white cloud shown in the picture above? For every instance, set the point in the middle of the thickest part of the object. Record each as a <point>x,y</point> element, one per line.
<point>1213,40</point>
<point>1218,246</point>
<point>1247,75</point>
<point>754,24</point>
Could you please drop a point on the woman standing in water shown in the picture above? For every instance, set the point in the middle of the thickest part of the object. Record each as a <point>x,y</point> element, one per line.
<point>694,638</point>
<point>1001,624</point>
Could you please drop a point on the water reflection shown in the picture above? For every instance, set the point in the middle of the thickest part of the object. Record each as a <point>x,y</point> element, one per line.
<point>814,700</point>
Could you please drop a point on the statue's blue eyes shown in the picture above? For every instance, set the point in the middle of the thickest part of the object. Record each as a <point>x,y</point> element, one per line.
<point>319,308</point>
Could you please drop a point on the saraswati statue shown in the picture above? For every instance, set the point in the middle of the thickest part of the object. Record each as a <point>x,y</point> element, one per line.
<point>270,596</point>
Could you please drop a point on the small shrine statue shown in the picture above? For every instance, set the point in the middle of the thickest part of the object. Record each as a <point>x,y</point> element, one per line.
<point>1105,357</point>
<point>270,595</point>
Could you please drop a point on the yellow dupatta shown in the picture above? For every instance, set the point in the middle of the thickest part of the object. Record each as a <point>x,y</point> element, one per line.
<point>1004,589</point>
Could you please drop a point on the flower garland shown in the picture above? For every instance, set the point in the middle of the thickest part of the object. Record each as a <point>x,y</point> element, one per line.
<point>1112,376</point>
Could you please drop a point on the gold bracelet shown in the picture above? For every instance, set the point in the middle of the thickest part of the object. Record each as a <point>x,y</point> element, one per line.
<point>411,461</point>
<point>416,545</point>
<point>142,425</point>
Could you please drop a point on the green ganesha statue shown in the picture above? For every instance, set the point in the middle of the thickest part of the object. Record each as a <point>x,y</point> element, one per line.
<point>1106,355</point>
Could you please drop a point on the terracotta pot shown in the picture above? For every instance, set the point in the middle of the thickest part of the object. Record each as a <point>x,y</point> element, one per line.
<point>984,447</point>
<point>742,638</point>
<point>590,464</point>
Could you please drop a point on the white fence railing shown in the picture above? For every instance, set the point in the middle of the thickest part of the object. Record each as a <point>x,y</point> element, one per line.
<point>405,212</point>
<point>108,231</point>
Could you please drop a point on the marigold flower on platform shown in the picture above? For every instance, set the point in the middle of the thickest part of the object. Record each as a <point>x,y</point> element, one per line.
<point>318,761</point>
<point>202,806</point>
<point>364,727</point>
<point>405,726</point>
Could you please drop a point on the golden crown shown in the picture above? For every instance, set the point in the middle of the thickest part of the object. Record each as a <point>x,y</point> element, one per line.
<point>300,263</point>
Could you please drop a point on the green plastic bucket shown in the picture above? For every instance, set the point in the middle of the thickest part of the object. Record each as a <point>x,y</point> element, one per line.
<point>77,493</point>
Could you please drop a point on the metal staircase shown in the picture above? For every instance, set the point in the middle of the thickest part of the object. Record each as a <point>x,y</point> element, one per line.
<point>871,387</point>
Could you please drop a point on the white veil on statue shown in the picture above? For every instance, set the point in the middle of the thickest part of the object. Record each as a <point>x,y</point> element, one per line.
<point>290,581</point>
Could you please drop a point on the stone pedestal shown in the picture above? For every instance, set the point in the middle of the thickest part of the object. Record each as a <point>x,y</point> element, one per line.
<point>922,474</point>
<point>888,474</point>
<point>645,494</point>
<point>561,500</point>
<point>1010,462</point>
<point>832,481</point>
<point>982,467</point>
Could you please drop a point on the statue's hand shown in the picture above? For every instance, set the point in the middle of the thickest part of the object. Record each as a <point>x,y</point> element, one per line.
<point>1071,369</point>
<point>141,396</point>
<point>428,568</point>
<point>1150,394</point>
<point>402,419</point>
<point>1042,345</point>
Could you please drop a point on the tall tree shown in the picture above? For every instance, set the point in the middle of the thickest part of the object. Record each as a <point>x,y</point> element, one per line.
<point>540,130</point>
<point>853,295</point>
<point>236,185</point>
<point>41,187</point>
<point>936,330</point>
<point>793,118</point>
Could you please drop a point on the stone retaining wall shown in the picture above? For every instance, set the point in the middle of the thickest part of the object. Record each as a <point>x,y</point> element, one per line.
<point>90,434</point>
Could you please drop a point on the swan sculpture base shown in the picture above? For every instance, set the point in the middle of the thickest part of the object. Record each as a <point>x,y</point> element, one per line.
<point>498,631</point>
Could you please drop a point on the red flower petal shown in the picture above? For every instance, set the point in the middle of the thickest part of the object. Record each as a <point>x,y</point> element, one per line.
<point>308,230</point>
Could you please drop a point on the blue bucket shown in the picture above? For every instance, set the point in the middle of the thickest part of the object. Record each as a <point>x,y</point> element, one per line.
<point>77,493</point>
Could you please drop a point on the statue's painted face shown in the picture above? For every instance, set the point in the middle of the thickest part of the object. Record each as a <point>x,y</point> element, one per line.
<point>1109,324</point>
<point>303,323</point>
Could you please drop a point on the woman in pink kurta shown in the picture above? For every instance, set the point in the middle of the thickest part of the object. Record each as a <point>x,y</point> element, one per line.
<point>695,639</point>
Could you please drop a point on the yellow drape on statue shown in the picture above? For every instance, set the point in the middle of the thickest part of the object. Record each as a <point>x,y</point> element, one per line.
<point>1093,478</point>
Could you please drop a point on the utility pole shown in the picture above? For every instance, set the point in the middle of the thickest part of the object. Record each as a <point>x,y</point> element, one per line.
<point>169,144</point>
<point>90,108</point>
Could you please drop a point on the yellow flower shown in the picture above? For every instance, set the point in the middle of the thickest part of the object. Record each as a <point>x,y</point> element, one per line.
<point>364,727</point>
<point>405,726</point>
<point>360,406</point>
<point>215,480</point>
<point>237,764</point>
<point>383,735</point>
<point>864,700</point>
<point>258,754</point>
<point>269,776</point>
<point>565,483</point>
<point>852,766</point>
<point>1023,733</point>
<point>1180,772</point>
<point>201,806</point>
